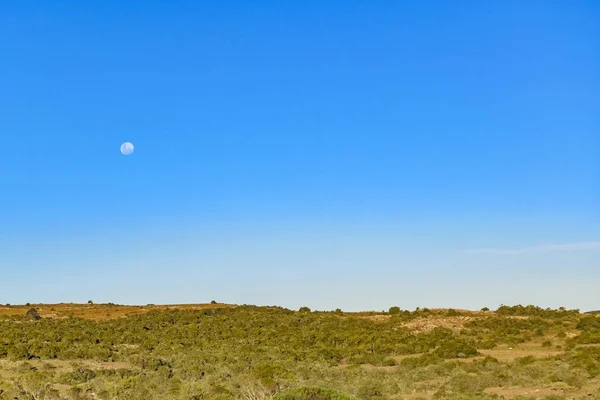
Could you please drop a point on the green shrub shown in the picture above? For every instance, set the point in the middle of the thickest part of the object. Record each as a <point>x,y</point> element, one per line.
<point>312,393</point>
<point>589,323</point>
<point>487,344</point>
<point>370,391</point>
<point>394,310</point>
<point>455,349</point>
<point>421,361</point>
<point>33,314</point>
<point>271,375</point>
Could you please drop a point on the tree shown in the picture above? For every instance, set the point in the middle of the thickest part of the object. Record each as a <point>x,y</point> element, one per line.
<point>394,310</point>
<point>33,314</point>
<point>304,309</point>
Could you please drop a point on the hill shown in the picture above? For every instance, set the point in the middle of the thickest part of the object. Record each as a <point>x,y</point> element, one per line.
<point>217,351</point>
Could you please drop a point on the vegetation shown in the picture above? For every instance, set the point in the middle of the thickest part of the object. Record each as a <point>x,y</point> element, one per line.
<point>394,310</point>
<point>251,353</point>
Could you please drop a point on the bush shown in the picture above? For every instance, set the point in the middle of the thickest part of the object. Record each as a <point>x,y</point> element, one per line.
<point>304,309</point>
<point>421,361</point>
<point>389,362</point>
<point>589,323</point>
<point>452,313</point>
<point>487,344</point>
<point>33,314</point>
<point>455,349</point>
<point>312,393</point>
<point>394,310</point>
<point>271,376</point>
<point>370,391</point>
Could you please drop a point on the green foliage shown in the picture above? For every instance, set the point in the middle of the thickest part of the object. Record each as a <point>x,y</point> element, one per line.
<point>534,311</point>
<point>487,344</point>
<point>455,348</point>
<point>370,391</point>
<point>229,353</point>
<point>589,323</point>
<point>33,314</point>
<point>421,361</point>
<point>312,393</point>
<point>272,376</point>
<point>394,310</point>
<point>304,309</point>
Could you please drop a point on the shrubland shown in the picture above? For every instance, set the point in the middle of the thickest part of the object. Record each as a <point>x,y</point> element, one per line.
<point>251,353</point>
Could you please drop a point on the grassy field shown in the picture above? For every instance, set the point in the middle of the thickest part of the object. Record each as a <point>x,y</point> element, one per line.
<point>219,351</point>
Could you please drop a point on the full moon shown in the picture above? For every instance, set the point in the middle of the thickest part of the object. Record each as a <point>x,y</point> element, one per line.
<point>126,148</point>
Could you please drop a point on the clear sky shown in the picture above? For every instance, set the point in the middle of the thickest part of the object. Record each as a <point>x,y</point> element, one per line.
<point>329,154</point>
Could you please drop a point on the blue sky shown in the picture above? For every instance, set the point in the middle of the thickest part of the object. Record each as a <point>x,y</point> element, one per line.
<point>440,154</point>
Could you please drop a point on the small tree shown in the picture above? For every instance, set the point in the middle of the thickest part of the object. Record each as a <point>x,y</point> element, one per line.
<point>304,309</point>
<point>90,302</point>
<point>213,302</point>
<point>394,310</point>
<point>33,314</point>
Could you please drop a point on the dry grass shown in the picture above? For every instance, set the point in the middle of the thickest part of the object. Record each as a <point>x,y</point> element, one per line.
<point>430,323</point>
<point>534,391</point>
<point>98,311</point>
<point>508,354</point>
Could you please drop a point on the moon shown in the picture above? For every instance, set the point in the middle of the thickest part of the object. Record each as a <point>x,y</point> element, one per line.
<point>127,148</point>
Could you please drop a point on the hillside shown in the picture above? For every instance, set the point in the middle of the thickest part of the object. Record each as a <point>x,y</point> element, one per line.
<point>217,351</point>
